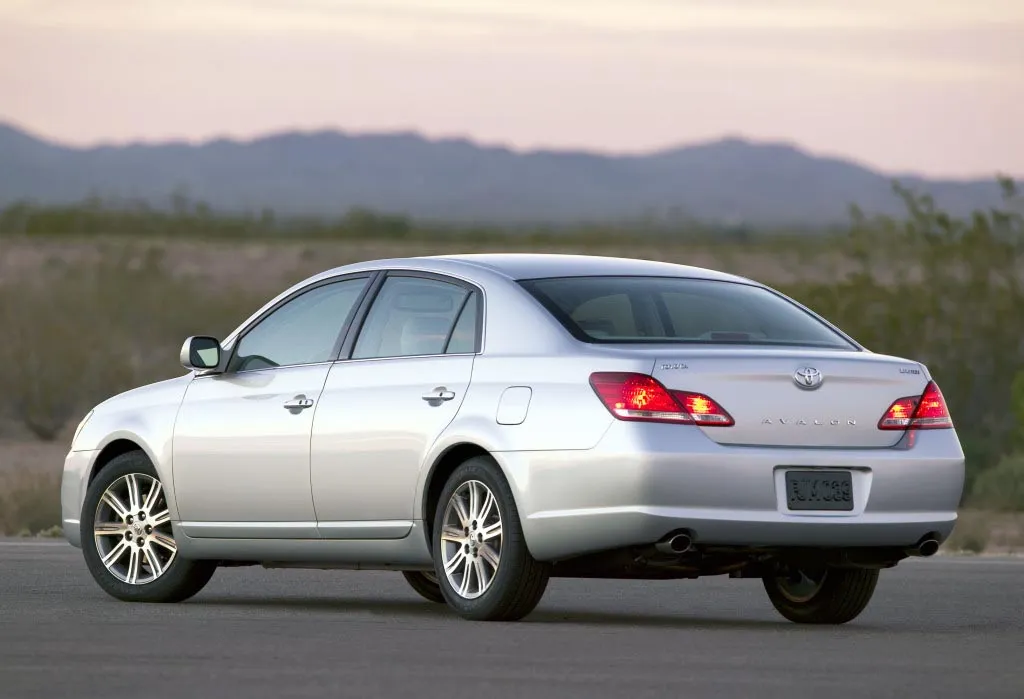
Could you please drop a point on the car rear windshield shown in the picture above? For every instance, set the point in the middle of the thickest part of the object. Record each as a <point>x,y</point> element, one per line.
<point>679,310</point>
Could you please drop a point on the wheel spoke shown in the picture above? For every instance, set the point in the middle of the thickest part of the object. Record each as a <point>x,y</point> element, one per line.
<point>467,573</point>
<point>485,509</point>
<point>450,533</point>
<point>488,554</point>
<point>114,503</point>
<point>134,565</point>
<point>134,496</point>
<point>164,540</point>
<point>115,553</point>
<point>109,529</point>
<point>160,518</point>
<point>154,493</point>
<point>460,510</point>
<point>155,568</point>
<point>451,565</point>
<point>492,531</point>
<point>483,578</point>
<point>474,501</point>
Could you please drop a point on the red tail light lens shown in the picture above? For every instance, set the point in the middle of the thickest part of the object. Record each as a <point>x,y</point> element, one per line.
<point>637,397</point>
<point>703,410</point>
<point>640,397</point>
<point>925,412</point>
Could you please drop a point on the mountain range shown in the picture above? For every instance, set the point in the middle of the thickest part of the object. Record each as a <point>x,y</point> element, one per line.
<point>327,173</point>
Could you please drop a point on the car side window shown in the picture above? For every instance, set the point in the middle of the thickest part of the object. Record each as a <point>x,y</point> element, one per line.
<point>411,316</point>
<point>305,330</point>
<point>463,339</point>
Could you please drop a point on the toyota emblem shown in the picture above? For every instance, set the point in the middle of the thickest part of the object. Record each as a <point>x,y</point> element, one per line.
<point>807,378</point>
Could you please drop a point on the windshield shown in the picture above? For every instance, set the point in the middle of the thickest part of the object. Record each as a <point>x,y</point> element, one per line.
<point>679,310</point>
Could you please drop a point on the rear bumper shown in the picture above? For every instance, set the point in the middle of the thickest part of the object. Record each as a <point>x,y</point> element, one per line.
<point>643,481</point>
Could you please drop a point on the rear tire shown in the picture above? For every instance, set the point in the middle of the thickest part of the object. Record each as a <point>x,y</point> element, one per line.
<point>425,585</point>
<point>827,596</point>
<point>127,539</point>
<point>477,536</point>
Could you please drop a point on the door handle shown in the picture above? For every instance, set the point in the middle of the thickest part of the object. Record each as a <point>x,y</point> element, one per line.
<point>298,403</point>
<point>438,394</point>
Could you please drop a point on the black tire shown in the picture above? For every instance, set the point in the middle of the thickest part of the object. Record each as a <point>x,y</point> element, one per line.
<point>427,587</point>
<point>180,579</point>
<point>519,581</point>
<point>841,595</point>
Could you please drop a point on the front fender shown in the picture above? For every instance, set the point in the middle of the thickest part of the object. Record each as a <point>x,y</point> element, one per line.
<point>145,417</point>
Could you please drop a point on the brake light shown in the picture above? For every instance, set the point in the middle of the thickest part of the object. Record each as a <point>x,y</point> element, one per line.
<point>703,410</point>
<point>639,397</point>
<point>925,412</point>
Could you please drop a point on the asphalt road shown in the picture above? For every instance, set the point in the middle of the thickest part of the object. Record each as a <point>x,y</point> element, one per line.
<point>936,628</point>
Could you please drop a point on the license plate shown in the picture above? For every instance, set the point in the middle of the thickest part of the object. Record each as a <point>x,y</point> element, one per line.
<point>819,490</point>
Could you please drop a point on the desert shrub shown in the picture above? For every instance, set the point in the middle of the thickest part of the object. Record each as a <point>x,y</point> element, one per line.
<point>972,533</point>
<point>957,304</point>
<point>1002,486</point>
<point>1017,403</point>
<point>946,291</point>
<point>76,336</point>
<point>29,502</point>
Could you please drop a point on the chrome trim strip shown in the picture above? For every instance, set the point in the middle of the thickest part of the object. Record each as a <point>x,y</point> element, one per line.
<point>250,530</point>
<point>366,529</point>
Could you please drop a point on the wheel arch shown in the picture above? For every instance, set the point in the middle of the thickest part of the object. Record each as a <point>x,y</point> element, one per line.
<point>113,449</point>
<point>440,470</point>
<point>125,442</point>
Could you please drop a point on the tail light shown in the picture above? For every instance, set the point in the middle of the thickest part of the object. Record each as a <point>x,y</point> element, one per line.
<point>639,397</point>
<point>925,412</point>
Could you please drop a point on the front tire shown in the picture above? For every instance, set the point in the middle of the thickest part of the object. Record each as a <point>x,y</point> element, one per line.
<point>483,566</point>
<point>822,596</point>
<point>127,539</point>
<point>425,584</point>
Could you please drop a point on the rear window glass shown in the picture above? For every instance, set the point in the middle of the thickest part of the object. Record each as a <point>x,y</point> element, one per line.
<point>663,309</point>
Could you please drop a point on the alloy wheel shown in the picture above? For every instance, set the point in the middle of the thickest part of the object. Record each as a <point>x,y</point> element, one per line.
<point>801,586</point>
<point>471,539</point>
<point>132,529</point>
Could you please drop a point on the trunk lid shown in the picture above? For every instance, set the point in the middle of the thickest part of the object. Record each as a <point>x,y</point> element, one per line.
<point>773,406</point>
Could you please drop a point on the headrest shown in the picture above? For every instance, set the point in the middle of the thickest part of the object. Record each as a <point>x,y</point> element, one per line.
<point>424,335</point>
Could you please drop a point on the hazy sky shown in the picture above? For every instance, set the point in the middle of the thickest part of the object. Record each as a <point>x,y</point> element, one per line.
<point>935,86</point>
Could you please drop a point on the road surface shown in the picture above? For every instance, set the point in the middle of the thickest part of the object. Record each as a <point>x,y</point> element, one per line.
<point>941,627</point>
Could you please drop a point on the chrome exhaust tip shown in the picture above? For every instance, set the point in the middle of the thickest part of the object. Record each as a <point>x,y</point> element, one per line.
<point>927,546</point>
<point>675,545</point>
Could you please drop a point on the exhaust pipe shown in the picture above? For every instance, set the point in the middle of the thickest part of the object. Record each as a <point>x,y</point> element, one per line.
<point>675,545</point>
<point>927,546</point>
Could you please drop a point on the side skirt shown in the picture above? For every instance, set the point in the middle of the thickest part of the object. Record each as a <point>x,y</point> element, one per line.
<point>408,553</point>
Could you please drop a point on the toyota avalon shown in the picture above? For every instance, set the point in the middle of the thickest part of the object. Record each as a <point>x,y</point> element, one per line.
<point>482,423</point>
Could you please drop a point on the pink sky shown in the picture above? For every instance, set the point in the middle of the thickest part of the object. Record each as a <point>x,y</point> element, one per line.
<point>932,86</point>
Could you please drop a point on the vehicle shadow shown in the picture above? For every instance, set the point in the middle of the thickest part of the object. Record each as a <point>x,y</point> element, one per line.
<point>651,621</point>
<point>326,604</point>
<point>548,616</point>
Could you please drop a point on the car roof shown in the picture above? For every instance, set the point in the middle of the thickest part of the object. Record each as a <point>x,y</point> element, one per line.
<point>482,268</point>
<point>517,266</point>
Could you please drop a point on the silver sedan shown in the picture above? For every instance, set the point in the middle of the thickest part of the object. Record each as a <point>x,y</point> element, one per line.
<point>482,423</point>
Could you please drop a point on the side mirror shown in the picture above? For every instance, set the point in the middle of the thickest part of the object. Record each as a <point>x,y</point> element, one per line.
<point>200,353</point>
